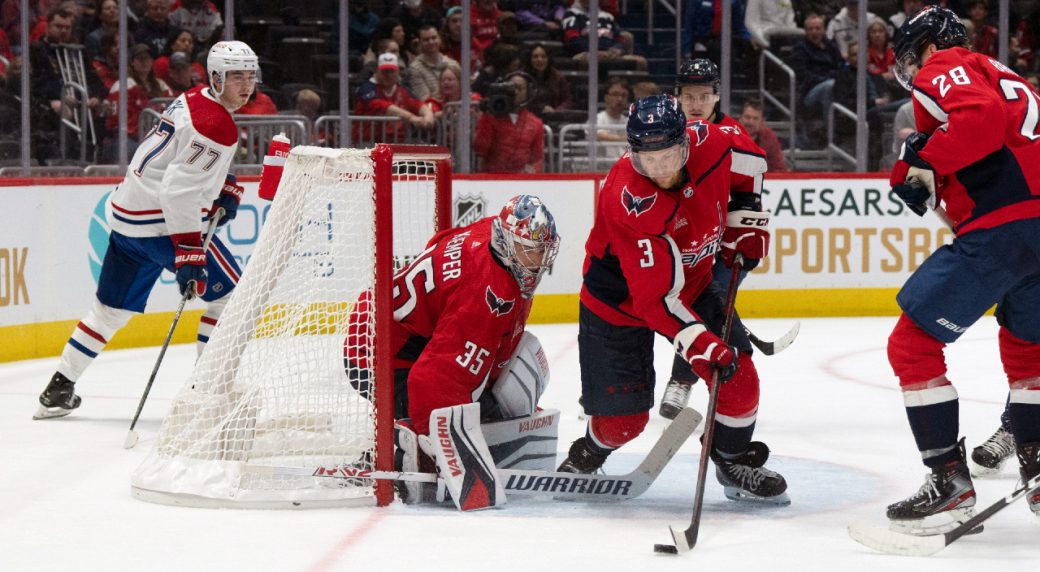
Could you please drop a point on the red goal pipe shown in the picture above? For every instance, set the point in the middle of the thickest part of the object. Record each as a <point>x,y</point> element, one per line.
<point>383,157</point>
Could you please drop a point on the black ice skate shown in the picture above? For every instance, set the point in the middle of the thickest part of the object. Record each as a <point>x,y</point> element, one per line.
<point>989,457</point>
<point>59,399</point>
<point>947,490</point>
<point>1029,467</point>
<point>581,460</point>
<point>744,478</point>
<point>676,396</point>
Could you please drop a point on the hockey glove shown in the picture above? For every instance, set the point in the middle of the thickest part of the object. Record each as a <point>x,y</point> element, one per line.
<point>747,233</point>
<point>706,352</point>
<point>229,198</point>
<point>913,178</point>
<point>190,263</point>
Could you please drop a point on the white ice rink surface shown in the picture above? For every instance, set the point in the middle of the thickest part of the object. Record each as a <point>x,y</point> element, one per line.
<point>830,412</point>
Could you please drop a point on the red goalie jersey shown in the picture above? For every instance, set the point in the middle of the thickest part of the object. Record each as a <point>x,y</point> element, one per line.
<point>982,121</point>
<point>458,316</point>
<point>650,251</point>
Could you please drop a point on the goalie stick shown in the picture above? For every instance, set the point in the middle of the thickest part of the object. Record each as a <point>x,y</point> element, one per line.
<point>777,346</point>
<point>131,435</point>
<point>883,539</point>
<point>686,539</point>
<point>560,486</point>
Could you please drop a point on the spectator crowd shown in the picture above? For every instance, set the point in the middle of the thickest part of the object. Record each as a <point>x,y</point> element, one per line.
<point>528,67</point>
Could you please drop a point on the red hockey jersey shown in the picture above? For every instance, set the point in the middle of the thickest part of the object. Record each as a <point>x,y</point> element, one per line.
<point>749,161</point>
<point>982,119</point>
<point>650,251</point>
<point>458,316</point>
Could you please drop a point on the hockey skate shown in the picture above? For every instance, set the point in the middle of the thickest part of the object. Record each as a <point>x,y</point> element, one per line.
<point>676,395</point>
<point>1029,467</point>
<point>989,457</point>
<point>744,477</point>
<point>59,399</point>
<point>581,460</point>
<point>947,490</point>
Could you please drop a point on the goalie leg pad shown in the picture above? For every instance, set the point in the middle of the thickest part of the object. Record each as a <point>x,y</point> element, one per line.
<point>522,383</point>
<point>463,459</point>
<point>527,443</point>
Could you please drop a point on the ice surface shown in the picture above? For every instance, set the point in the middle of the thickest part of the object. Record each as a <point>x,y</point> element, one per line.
<point>830,412</point>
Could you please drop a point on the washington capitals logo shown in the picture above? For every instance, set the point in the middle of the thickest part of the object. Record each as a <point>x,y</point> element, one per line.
<point>637,205</point>
<point>700,130</point>
<point>498,306</point>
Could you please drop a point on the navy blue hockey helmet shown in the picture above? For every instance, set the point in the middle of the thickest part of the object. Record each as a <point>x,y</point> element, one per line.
<point>700,71</point>
<point>655,124</point>
<point>932,25</point>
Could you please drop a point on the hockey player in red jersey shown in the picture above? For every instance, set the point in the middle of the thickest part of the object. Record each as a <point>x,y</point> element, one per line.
<point>460,309</point>
<point>177,179</point>
<point>660,220</point>
<point>697,89</point>
<point>976,153</point>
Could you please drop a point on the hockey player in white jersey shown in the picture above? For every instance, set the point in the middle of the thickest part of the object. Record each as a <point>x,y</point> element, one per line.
<point>177,178</point>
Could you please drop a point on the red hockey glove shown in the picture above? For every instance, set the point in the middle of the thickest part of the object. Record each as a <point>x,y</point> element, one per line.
<point>747,233</point>
<point>706,352</point>
<point>229,198</point>
<point>190,263</point>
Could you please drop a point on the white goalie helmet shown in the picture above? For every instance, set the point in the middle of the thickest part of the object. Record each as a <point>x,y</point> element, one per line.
<point>524,237</point>
<point>231,56</point>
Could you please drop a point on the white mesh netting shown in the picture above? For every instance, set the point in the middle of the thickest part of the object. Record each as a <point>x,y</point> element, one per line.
<point>270,387</point>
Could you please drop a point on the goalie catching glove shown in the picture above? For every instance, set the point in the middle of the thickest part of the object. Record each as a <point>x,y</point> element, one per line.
<point>189,261</point>
<point>705,352</point>
<point>913,178</point>
<point>229,199</point>
<point>747,233</point>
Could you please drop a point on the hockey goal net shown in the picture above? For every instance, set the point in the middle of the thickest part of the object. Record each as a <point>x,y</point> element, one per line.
<point>271,388</point>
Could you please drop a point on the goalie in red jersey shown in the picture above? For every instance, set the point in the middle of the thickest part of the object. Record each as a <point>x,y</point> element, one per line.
<point>977,153</point>
<point>460,309</point>
<point>660,220</point>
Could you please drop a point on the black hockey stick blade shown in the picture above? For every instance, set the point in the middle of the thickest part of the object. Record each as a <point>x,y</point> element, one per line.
<point>882,539</point>
<point>777,346</point>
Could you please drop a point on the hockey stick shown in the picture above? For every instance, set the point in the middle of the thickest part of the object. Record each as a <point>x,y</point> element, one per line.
<point>131,434</point>
<point>890,542</point>
<point>686,539</point>
<point>777,346</point>
<point>559,486</point>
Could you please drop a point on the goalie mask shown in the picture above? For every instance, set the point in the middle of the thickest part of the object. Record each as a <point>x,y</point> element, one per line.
<point>230,56</point>
<point>657,137</point>
<point>524,237</point>
<point>932,25</point>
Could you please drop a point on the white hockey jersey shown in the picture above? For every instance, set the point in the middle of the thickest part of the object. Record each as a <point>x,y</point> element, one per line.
<point>178,170</point>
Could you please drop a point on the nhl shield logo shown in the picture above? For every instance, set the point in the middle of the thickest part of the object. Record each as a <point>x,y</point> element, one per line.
<point>469,209</point>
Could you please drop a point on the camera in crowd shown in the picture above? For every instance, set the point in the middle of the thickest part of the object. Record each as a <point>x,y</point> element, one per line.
<point>500,99</point>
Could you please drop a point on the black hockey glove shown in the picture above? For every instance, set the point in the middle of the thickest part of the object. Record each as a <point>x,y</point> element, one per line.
<point>915,195</point>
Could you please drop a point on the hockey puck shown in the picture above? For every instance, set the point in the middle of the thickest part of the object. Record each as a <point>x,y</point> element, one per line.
<point>665,549</point>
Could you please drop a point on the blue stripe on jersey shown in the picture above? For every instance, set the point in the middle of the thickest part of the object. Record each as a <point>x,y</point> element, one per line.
<point>82,348</point>
<point>164,132</point>
<point>132,221</point>
<point>203,339</point>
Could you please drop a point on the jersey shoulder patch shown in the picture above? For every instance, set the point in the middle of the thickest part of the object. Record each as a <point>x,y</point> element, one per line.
<point>210,118</point>
<point>636,202</point>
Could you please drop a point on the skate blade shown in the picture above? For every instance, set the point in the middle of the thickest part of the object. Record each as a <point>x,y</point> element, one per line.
<point>740,495</point>
<point>936,524</point>
<point>50,412</point>
<point>983,472</point>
